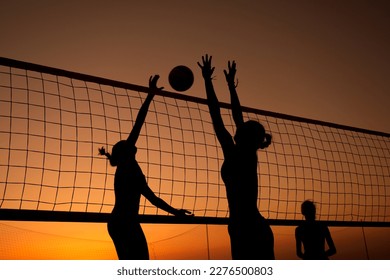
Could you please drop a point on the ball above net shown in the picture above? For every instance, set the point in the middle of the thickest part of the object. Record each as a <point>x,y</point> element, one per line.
<point>181,78</point>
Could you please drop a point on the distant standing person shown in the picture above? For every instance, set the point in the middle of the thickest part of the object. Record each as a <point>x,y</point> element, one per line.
<point>312,235</point>
<point>251,237</point>
<point>129,184</point>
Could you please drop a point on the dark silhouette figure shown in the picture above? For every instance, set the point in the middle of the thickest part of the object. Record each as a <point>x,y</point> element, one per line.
<point>251,236</point>
<point>129,184</point>
<point>313,234</point>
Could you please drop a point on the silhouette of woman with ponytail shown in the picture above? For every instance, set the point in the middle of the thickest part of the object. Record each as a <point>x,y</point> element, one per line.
<point>251,236</point>
<point>129,184</point>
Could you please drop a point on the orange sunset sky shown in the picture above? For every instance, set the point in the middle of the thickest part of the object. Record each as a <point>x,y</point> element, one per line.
<point>324,60</point>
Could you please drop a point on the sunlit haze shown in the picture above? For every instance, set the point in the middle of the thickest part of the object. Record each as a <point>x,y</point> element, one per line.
<point>322,60</point>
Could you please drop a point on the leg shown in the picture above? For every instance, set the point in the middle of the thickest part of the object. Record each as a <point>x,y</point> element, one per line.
<point>264,240</point>
<point>252,240</point>
<point>129,240</point>
<point>238,246</point>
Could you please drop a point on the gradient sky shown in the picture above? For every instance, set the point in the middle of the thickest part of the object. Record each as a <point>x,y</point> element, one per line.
<point>325,60</point>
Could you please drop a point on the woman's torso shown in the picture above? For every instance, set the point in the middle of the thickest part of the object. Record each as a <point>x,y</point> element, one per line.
<point>313,238</point>
<point>239,173</point>
<point>128,184</point>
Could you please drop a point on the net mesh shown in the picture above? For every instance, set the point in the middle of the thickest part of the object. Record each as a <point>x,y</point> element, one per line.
<point>51,126</point>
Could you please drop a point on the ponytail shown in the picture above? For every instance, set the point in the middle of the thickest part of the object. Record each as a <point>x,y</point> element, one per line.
<point>103,152</point>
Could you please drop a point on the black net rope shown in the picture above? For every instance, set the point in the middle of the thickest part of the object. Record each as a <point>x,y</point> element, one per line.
<point>52,124</point>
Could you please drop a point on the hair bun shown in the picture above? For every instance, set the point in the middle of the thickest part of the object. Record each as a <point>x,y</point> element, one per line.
<point>267,141</point>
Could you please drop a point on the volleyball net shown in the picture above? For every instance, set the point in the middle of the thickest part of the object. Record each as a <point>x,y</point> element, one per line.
<point>53,121</point>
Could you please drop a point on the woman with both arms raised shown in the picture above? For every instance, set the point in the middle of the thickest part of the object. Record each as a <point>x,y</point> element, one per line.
<point>251,236</point>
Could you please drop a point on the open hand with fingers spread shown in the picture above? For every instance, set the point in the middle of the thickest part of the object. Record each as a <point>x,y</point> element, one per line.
<point>153,83</point>
<point>231,73</point>
<point>207,70</point>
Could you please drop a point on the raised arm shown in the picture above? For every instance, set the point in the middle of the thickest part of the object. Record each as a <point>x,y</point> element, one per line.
<point>224,137</point>
<point>236,106</point>
<point>133,136</point>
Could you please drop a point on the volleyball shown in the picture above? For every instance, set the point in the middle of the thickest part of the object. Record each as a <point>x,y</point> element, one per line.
<point>181,78</point>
